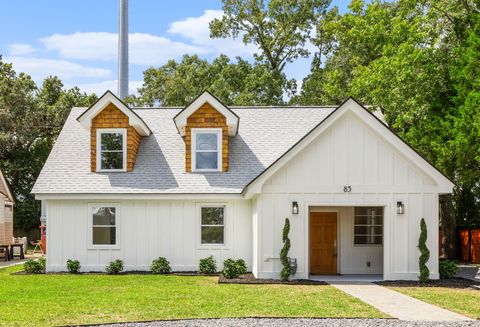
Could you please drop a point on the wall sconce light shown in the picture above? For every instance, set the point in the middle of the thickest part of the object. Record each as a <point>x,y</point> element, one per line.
<point>295,207</point>
<point>400,208</point>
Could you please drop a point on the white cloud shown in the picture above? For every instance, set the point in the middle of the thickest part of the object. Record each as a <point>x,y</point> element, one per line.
<point>197,30</point>
<point>112,85</point>
<point>20,49</point>
<point>145,49</point>
<point>40,68</point>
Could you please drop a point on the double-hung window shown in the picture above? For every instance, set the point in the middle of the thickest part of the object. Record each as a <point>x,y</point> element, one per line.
<point>206,149</point>
<point>212,224</point>
<point>104,225</point>
<point>368,226</point>
<point>111,149</point>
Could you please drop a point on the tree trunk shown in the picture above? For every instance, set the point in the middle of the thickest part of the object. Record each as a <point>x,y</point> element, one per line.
<point>449,228</point>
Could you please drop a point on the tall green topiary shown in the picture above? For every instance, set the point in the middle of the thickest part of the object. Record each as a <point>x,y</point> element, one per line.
<point>424,253</point>
<point>287,269</point>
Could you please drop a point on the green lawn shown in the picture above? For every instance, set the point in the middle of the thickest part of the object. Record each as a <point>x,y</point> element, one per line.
<point>45,300</point>
<point>465,301</point>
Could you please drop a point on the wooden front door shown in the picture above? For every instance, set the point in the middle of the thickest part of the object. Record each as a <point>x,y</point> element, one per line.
<point>323,243</point>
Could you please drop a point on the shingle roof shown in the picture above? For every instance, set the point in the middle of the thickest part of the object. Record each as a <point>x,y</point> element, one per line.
<point>264,135</point>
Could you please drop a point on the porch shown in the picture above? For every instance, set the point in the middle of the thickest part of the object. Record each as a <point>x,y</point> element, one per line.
<point>345,243</point>
<point>356,278</point>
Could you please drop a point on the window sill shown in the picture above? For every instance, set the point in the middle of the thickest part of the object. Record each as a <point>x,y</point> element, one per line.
<point>103,247</point>
<point>212,246</point>
<point>112,171</point>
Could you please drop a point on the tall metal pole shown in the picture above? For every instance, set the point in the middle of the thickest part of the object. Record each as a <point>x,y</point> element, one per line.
<point>123,50</point>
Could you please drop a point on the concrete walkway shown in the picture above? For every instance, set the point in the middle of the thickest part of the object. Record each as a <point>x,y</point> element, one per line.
<point>469,271</point>
<point>396,304</point>
<point>16,261</point>
<point>5,264</point>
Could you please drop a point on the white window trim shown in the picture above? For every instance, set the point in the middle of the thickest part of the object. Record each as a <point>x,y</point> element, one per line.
<point>101,131</point>
<point>115,246</point>
<point>194,132</point>
<point>199,226</point>
<point>377,225</point>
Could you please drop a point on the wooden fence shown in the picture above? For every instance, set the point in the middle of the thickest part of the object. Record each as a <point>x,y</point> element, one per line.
<point>469,253</point>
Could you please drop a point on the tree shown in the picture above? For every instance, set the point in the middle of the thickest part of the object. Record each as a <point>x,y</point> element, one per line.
<point>279,28</point>
<point>464,148</point>
<point>235,83</point>
<point>417,62</point>
<point>30,120</point>
<point>424,253</point>
<point>287,269</point>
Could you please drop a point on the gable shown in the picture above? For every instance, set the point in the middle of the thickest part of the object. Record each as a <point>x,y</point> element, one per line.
<point>107,99</point>
<point>4,189</point>
<point>112,117</point>
<point>206,98</point>
<point>351,147</point>
<point>206,116</point>
<point>351,153</point>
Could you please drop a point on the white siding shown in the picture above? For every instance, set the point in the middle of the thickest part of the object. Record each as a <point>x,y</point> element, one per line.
<point>147,229</point>
<point>2,220</point>
<point>350,153</point>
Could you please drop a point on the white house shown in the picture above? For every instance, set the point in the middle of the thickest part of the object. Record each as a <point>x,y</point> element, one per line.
<point>6,212</point>
<point>186,183</point>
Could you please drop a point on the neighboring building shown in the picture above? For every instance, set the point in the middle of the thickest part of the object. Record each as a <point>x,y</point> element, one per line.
<point>207,179</point>
<point>6,212</point>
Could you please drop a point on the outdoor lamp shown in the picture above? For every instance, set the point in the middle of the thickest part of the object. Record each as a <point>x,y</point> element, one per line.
<point>400,208</point>
<point>295,207</point>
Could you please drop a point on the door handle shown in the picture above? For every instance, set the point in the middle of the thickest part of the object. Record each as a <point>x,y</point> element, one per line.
<point>335,248</point>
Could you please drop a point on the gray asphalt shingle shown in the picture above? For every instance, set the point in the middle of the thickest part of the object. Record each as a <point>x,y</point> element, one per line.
<point>264,135</point>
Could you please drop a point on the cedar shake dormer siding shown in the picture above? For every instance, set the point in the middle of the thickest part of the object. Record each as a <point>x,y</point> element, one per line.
<point>206,117</point>
<point>112,117</point>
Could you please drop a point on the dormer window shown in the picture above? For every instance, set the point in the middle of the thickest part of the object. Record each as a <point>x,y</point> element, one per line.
<point>111,149</point>
<point>206,149</point>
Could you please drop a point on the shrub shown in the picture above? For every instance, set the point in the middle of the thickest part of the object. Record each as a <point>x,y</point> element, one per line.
<point>448,269</point>
<point>160,266</point>
<point>241,266</point>
<point>208,265</point>
<point>114,267</point>
<point>34,267</point>
<point>43,264</point>
<point>424,253</point>
<point>73,266</point>
<point>234,268</point>
<point>287,268</point>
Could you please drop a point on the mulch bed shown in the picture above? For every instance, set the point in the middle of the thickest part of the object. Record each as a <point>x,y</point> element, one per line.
<point>139,272</point>
<point>449,283</point>
<point>250,279</point>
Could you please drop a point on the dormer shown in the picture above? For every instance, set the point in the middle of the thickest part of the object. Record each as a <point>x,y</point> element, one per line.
<point>206,125</point>
<point>115,134</point>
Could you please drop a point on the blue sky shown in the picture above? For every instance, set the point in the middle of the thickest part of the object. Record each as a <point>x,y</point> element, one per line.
<point>76,40</point>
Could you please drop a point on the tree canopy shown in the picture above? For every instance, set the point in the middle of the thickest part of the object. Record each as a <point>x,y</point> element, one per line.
<point>30,119</point>
<point>236,83</point>
<point>279,28</point>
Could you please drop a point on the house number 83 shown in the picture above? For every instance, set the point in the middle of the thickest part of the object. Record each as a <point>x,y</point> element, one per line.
<point>347,188</point>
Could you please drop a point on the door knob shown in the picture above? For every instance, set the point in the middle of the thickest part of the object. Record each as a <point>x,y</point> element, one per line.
<point>335,248</point>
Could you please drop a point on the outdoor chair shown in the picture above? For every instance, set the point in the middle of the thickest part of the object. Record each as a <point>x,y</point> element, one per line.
<point>37,247</point>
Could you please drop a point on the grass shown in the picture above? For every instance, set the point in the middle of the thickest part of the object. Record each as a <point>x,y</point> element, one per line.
<point>465,301</point>
<point>45,300</point>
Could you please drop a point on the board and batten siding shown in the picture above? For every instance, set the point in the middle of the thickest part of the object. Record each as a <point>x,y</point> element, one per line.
<point>3,240</point>
<point>350,153</point>
<point>147,229</point>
